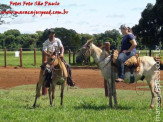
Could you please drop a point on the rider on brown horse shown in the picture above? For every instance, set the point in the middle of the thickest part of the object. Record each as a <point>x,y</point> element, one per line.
<point>53,46</point>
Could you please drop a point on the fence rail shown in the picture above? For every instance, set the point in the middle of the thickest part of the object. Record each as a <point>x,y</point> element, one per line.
<point>33,57</point>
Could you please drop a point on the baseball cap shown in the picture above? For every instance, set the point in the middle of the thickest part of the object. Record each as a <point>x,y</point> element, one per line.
<point>124,26</point>
<point>51,31</point>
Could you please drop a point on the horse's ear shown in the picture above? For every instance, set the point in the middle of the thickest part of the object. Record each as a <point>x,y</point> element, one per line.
<point>90,41</point>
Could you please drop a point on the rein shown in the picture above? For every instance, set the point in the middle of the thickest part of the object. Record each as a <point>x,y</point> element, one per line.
<point>108,61</point>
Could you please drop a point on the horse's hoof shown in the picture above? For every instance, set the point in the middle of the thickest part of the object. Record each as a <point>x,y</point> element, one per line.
<point>115,107</point>
<point>34,106</point>
<point>151,107</point>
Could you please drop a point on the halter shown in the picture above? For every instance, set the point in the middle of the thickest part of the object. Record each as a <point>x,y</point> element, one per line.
<point>86,50</point>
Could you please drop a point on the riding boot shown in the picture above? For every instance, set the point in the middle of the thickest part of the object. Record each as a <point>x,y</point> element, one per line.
<point>43,66</point>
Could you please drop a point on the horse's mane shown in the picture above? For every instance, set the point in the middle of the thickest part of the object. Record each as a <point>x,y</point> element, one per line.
<point>58,62</point>
<point>97,49</point>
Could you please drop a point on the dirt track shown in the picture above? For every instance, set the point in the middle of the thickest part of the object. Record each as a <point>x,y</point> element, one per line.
<point>84,78</point>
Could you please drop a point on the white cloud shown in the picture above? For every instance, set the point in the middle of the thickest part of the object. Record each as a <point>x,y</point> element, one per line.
<point>115,16</point>
<point>84,16</point>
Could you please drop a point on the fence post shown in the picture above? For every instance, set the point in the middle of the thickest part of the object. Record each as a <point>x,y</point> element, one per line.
<point>21,62</point>
<point>139,53</point>
<point>89,60</point>
<point>5,56</point>
<point>146,52</point>
<point>153,53</point>
<point>35,57</point>
<point>69,56</point>
<point>74,57</point>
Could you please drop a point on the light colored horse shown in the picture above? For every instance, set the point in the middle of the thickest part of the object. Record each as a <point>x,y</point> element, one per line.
<point>59,77</point>
<point>147,68</point>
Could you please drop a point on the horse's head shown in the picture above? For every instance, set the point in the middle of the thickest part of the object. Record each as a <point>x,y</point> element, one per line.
<point>84,52</point>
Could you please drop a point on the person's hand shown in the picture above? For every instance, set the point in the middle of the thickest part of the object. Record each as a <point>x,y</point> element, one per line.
<point>125,51</point>
<point>61,55</point>
<point>49,54</point>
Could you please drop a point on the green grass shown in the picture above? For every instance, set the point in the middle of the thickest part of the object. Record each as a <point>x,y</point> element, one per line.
<point>80,105</point>
<point>28,58</point>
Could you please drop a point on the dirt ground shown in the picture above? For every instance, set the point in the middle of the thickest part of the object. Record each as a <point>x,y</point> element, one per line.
<point>84,78</point>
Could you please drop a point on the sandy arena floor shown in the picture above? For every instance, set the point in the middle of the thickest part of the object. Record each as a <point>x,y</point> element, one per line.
<point>84,78</point>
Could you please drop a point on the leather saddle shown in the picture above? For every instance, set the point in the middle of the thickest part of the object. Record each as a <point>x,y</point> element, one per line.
<point>132,63</point>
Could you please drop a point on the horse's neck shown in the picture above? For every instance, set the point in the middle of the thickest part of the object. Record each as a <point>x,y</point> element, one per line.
<point>97,54</point>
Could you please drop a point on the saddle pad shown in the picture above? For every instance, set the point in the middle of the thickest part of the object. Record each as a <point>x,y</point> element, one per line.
<point>133,61</point>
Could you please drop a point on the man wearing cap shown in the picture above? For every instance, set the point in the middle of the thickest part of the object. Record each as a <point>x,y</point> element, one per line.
<point>52,44</point>
<point>128,49</point>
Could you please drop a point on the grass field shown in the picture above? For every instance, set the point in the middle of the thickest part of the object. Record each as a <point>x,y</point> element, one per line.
<point>28,58</point>
<point>80,105</point>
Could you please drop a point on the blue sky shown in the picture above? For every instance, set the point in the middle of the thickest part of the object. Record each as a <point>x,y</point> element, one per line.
<point>85,16</point>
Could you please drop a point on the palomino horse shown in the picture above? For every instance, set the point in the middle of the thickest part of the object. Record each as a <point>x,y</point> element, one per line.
<point>59,76</point>
<point>147,68</point>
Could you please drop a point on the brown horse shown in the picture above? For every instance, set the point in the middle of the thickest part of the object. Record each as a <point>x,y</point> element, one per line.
<point>58,77</point>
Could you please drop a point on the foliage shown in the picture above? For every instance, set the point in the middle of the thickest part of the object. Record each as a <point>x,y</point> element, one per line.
<point>112,36</point>
<point>70,38</point>
<point>3,17</point>
<point>149,30</point>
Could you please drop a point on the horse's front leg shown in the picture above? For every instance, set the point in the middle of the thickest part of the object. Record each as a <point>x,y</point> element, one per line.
<point>34,105</point>
<point>62,90</point>
<point>50,96</point>
<point>114,90</point>
<point>114,93</point>
<point>38,86</point>
<point>110,93</point>
<point>53,92</point>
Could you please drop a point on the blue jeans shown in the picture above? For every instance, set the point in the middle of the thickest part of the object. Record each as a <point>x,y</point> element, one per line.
<point>122,57</point>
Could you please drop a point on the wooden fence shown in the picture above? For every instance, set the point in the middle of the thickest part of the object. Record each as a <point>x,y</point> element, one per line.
<point>70,54</point>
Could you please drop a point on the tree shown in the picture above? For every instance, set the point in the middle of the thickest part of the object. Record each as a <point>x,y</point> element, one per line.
<point>4,16</point>
<point>2,40</point>
<point>14,32</point>
<point>85,37</point>
<point>69,38</point>
<point>10,41</point>
<point>148,29</point>
<point>10,38</point>
<point>112,36</point>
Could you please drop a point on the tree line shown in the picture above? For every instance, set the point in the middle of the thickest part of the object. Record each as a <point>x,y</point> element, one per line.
<point>148,32</point>
<point>70,38</point>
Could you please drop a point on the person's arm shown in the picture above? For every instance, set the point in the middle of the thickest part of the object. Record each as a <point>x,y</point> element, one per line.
<point>46,53</point>
<point>61,48</point>
<point>44,49</point>
<point>134,44</point>
<point>62,52</point>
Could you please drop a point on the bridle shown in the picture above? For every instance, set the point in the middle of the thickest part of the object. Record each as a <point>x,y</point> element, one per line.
<point>87,49</point>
